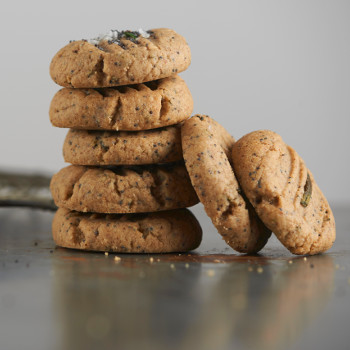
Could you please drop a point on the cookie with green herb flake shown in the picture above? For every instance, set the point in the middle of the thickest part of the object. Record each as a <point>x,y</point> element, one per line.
<point>206,147</point>
<point>126,189</point>
<point>121,58</point>
<point>145,106</point>
<point>283,192</point>
<point>83,147</point>
<point>163,232</point>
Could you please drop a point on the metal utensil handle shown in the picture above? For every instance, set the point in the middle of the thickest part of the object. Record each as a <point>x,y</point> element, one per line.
<point>25,190</point>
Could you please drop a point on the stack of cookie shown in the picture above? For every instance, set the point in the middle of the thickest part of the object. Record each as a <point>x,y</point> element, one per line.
<point>127,187</point>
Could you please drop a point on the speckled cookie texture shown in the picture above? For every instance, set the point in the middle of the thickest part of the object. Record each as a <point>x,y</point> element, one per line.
<point>146,106</point>
<point>206,147</point>
<point>283,192</point>
<point>123,189</point>
<point>162,232</point>
<point>131,59</point>
<point>123,148</point>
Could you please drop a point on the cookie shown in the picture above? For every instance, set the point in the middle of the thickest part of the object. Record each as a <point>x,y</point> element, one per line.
<point>206,147</point>
<point>145,106</point>
<point>120,58</point>
<point>123,147</point>
<point>123,189</point>
<point>163,232</point>
<point>283,192</point>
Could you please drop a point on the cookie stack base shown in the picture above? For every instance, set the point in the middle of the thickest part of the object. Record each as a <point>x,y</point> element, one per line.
<point>160,232</point>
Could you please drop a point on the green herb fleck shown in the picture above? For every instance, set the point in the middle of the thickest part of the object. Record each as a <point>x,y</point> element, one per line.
<point>130,35</point>
<point>307,192</point>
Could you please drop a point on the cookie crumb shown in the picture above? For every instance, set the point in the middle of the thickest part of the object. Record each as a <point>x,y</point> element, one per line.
<point>116,258</point>
<point>210,273</point>
<point>172,266</point>
<point>187,265</point>
<point>290,262</point>
<point>106,253</point>
<point>151,260</point>
<point>259,270</point>
<point>305,258</point>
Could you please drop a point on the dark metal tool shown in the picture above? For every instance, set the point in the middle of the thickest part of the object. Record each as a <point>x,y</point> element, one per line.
<point>25,190</point>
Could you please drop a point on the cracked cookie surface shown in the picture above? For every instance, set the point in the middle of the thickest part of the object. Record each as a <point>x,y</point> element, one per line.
<point>81,64</point>
<point>124,189</point>
<point>206,147</point>
<point>283,192</point>
<point>146,106</point>
<point>123,148</point>
<point>162,232</point>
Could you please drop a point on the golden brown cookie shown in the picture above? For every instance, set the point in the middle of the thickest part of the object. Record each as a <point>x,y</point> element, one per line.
<point>124,147</point>
<point>145,106</point>
<point>123,189</point>
<point>121,58</point>
<point>283,192</point>
<point>206,146</point>
<point>163,232</point>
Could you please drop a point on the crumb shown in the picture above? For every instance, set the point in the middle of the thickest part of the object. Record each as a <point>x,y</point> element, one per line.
<point>151,260</point>
<point>106,253</point>
<point>187,265</point>
<point>210,273</point>
<point>117,258</point>
<point>259,269</point>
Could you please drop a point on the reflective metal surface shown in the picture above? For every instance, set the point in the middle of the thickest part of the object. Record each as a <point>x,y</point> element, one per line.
<point>53,298</point>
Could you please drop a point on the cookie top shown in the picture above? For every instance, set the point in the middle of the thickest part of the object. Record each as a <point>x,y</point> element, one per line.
<point>121,58</point>
<point>162,232</point>
<point>283,192</point>
<point>145,106</point>
<point>123,189</point>
<point>83,147</point>
<point>206,146</point>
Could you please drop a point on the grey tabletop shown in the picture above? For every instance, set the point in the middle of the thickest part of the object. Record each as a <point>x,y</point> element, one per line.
<point>212,298</point>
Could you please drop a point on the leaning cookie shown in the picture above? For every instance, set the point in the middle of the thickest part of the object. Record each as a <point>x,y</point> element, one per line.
<point>163,232</point>
<point>284,192</point>
<point>145,106</point>
<point>133,189</point>
<point>83,147</point>
<point>206,146</point>
<point>121,58</point>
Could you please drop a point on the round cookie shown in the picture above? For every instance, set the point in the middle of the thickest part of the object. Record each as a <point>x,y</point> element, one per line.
<point>123,148</point>
<point>120,58</point>
<point>145,106</point>
<point>206,146</point>
<point>123,189</point>
<point>283,192</point>
<point>163,232</point>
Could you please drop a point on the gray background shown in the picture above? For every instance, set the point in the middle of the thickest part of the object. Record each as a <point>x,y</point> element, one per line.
<point>280,65</point>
